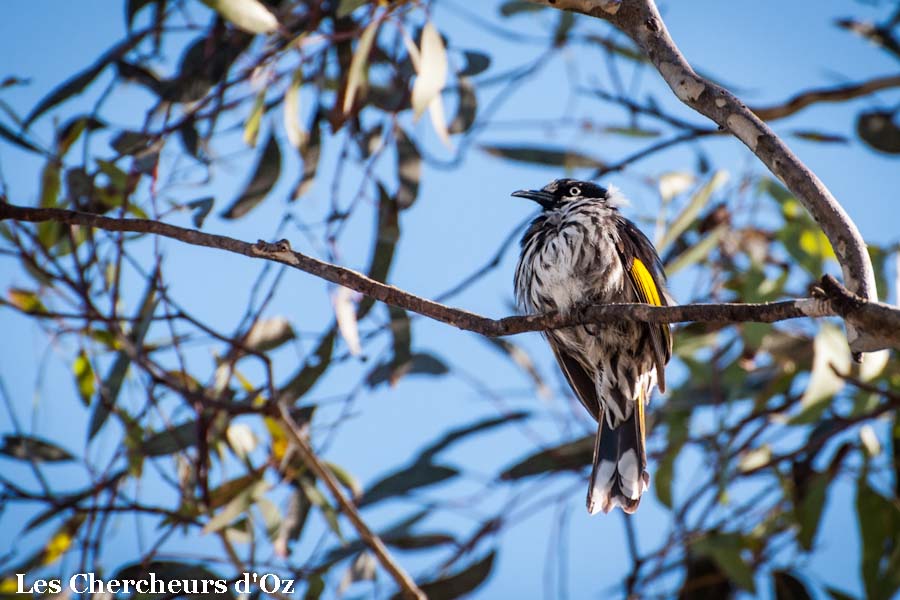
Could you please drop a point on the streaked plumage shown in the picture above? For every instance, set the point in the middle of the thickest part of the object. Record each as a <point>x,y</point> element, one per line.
<point>578,251</point>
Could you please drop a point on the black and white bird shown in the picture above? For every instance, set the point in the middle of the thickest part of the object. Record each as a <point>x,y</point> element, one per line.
<point>580,250</point>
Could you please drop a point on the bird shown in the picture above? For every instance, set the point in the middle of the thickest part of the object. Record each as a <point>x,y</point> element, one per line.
<point>578,251</point>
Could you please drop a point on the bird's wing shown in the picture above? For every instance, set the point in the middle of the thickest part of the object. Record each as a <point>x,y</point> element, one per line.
<point>647,278</point>
<point>578,379</point>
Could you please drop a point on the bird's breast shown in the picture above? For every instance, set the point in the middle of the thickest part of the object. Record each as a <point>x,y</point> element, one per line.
<point>567,263</point>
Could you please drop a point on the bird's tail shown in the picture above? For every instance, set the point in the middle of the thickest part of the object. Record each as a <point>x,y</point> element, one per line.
<point>619,475</point>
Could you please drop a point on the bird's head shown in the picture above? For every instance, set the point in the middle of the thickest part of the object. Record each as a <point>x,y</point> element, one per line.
<point>558,193</point>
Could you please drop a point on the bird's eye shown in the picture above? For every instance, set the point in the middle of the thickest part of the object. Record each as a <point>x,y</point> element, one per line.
<point>574,191</point>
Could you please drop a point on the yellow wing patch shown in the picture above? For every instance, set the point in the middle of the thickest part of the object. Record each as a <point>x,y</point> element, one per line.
<point>646,287</point>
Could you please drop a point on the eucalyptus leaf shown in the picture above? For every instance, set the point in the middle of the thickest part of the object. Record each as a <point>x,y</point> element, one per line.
<point>573,455</point>
<point>33,449</point>
<point>541,155</point>
<point>406,480</point>
<point>265,176</point>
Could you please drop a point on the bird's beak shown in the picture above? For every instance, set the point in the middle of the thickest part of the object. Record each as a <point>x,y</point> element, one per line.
<point>543,198</point>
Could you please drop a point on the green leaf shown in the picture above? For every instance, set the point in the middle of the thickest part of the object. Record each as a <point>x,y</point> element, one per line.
<point>419,363</point>
<point>563,27</point>
<point>317,498</point>
<point>820,136</point>
<point>895,451</point>
<point>190,139</point>
<point>420,541</point>
<point>460,583</point>
<point>265,175</point>
<point>33,449</point>
<point>515,7</point>
<point>310,151</point>
<point>315,366</point>
<point>204,63</point>
<point>18,140</point>
<point>409,170</point>
<point>455,435</point>
<point>399,365</point>
<point>405,480</point>
<point>789,587</point>
<point>815,243</point>
<point>51,184</point>
<point>251,127</point>
<point>397,530</point>
<point>688,216</point>
<point>356,74</point>
<point>565,457</point>
<point>725,549</point>
<point>69,133</point>
<point>250,15</point>
<point>386,235</point>
<point>633,132</point>
<point>109,390</point>
<point>879,531</point>
<point>466,108</point>
<point>705,580</point>
<point>131,142</point>
<point>541,155</point>
<point>879,130</point>
<point>202,208</point>
<point>315,585</point>
<point>77,83</point>
<point>292,525</point>
<point>85,379</point>
<point>837,594</point>
<point>348,6</point>
<point>809,507</point>
<point>345,479</point>
<point>25,300</point>
<point>171,440</point>
<point>476,63</point>
<point>240,504</point>
<point>677,422</point>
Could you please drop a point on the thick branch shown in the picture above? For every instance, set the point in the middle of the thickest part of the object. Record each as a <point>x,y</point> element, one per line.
<point>640,20</point>
<point>871,316</point>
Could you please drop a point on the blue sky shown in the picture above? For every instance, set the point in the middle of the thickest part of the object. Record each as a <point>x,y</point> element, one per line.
<point>766,50</point>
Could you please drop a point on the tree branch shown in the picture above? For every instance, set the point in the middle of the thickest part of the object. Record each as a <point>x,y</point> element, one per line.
<point>640,20</point>
<point>407,586</point>
<point>832,94</point>
<point>872,317</point>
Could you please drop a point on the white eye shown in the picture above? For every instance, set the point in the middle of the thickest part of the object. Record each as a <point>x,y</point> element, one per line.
<point>574,191</point>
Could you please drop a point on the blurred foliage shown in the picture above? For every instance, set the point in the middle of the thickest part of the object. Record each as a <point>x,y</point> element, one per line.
<point>760,407</point>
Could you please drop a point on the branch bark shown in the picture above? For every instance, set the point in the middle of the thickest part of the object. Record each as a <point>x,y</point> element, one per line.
<point>640,20</point>
<point>881,321</point>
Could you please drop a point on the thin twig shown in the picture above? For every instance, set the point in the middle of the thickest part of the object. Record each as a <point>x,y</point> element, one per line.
<point>839,93</point>
<point>407,584</point>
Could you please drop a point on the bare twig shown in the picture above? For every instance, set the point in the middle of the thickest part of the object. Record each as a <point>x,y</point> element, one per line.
<point>831,94</point>
<point>401,577</point>
<point>872,317</point>
<point>640,20</point>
